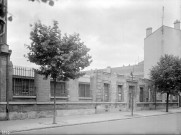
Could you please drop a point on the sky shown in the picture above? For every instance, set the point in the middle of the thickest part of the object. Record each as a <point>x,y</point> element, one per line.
<point>114,30</point>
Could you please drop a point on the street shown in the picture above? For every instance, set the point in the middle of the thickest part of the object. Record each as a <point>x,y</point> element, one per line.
<point>161,124</point>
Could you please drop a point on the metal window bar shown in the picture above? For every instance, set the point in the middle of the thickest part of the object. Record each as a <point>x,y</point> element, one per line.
<point>23,81</point>
<point>23,87</point>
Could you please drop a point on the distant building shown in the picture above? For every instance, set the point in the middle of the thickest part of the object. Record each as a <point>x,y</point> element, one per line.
<point>137,70</point>
<point>165,40</point>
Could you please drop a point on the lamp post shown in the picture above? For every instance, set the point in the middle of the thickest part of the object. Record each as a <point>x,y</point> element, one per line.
<point>155,96</point>
<point>132,102</point>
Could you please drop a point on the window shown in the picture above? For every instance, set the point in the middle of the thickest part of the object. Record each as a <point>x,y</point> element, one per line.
<point>159,97</point>
<point>120,93</point>
<point>175,98</point>
<point>141,94</point>
<point>23,87</point>
<point>60,89</point>
<point>84,90</point>
<point>106,92</point>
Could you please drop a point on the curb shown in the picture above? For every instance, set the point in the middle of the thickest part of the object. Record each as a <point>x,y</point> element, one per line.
<point>99,121</point>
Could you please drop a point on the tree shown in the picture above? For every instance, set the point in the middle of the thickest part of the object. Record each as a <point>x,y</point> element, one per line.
<point>166,76</point>
<point>50,2</point>
<point>4,12</point>
<point>61,57</point>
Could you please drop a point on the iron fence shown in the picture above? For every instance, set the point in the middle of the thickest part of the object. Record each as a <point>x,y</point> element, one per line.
<point>23,81</point>
<point>23,71</point>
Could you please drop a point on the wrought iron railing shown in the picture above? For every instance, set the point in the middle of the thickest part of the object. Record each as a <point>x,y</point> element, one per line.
<point>23,71</point>
<point>23,81</point>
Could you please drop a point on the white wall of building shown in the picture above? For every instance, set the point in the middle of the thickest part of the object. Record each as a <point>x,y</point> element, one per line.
<point>152,51</point>
<point>160,43</point>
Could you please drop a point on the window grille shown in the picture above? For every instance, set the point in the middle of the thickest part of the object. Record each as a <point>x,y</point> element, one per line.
<point>23,87</point>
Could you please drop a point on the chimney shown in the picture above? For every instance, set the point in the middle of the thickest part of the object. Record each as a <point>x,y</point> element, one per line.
<point>177,24</point>
<point>108,69</point>
<point>148,31</point>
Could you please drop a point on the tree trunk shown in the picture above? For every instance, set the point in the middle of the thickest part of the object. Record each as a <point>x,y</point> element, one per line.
<point>155,97</point>
<point>167,102</point>
<point>54,109</point>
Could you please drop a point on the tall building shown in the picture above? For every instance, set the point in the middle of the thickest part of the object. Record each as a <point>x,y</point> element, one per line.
<point>165,40</point>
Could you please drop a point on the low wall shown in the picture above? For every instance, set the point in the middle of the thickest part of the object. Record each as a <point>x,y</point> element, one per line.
<point>30,110</point>
<point>151,105</point>
<point>20,110</point>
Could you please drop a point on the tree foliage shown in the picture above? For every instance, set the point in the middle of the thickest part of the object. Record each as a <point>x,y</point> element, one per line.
<point>50,2</point>
<point>167,74</point>
<point>4,12</point>
<point>61,57</point>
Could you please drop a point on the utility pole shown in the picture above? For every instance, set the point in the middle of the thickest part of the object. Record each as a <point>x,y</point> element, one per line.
<point>162,15</point>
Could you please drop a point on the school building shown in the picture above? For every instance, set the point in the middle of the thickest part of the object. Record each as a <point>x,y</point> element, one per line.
<point>26,94</point>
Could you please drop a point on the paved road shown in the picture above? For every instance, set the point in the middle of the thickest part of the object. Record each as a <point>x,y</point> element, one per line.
<point>162,124</point>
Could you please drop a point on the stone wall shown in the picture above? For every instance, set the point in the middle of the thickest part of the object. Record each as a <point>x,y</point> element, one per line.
<point>41,110</point>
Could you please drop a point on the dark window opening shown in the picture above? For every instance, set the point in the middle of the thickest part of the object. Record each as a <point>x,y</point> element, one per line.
<point>106,92</point>
<point>60,89</point>
<point>84,90</point>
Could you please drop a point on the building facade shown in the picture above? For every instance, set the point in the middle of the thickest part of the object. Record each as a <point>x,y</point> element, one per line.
<point>26,94</point>
<point>165,40</point>
<point>31,95</point>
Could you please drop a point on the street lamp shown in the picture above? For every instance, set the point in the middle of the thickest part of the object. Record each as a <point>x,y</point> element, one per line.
<point>132,96</point>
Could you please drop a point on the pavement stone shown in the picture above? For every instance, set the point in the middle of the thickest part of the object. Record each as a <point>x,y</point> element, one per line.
<point>15,126</point>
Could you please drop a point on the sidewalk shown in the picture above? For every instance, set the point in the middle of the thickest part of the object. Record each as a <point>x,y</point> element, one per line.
<point>30,124</point>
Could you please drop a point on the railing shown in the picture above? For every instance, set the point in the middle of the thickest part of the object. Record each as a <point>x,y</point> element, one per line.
<point>23,71</point>
<point>23,81</point>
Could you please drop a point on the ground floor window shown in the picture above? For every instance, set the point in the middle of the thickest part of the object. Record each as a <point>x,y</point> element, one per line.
<point>106,92</point>
<point>141,94</point>
<point>159,97</point>
<point>60,89</point>
<point>120,93</point>
<point>23,87</point>
<point>84,90</point>
<point>175,98</point>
